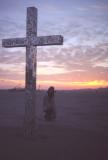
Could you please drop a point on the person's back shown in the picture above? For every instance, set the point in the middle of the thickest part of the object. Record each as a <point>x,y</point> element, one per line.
<point>49,105</point>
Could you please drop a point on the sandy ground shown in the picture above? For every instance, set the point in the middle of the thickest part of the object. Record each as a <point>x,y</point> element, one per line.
<point>80,131</point>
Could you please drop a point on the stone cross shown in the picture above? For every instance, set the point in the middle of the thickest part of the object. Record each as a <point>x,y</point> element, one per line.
<point>30,42</point>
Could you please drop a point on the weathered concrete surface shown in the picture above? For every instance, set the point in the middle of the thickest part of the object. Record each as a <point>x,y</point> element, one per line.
<point>31,31</point>
<point>14,42</point>
<point>30,42</point>
<point>35,41</point>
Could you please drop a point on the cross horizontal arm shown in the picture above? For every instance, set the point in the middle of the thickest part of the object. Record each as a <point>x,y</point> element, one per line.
<point>14,42</point>
<point>35,41</point>
<point>48,40</point>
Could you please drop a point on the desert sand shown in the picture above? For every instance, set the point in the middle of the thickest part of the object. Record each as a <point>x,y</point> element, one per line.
<point>80,131</point>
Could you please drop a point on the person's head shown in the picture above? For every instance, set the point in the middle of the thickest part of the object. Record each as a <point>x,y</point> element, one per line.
<point>50,91</point>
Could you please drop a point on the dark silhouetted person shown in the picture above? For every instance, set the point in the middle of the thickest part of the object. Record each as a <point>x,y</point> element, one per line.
<point>49,105</point>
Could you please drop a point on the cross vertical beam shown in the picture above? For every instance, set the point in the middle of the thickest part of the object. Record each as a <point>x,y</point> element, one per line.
<point>30,84</point>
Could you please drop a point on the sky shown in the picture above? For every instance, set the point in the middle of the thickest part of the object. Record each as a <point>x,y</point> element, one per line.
<point>82,60</point>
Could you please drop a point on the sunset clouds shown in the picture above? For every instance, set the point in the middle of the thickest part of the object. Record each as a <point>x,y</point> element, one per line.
<point>82,62</point>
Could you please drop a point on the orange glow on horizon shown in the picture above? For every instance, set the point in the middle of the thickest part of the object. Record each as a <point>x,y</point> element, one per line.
<point>75,85</point>
<point>6,83</point>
